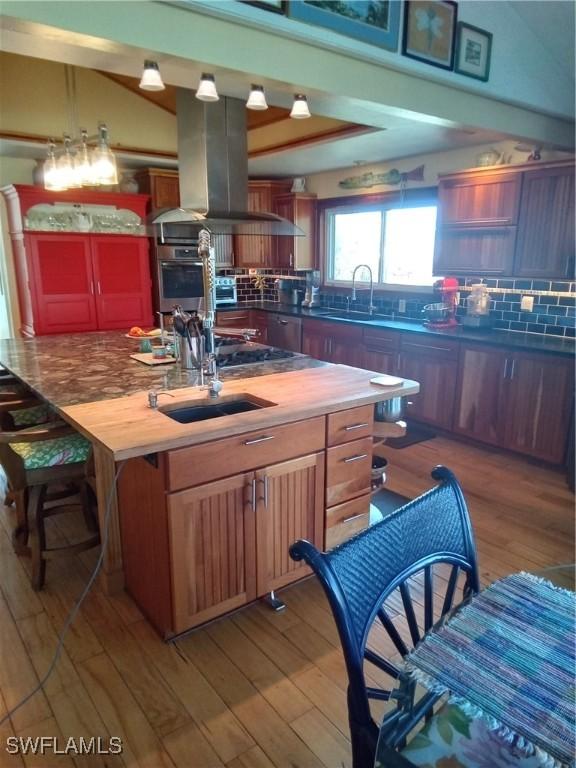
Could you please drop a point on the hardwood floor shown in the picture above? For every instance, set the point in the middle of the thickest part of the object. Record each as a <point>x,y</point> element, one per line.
<point>253,690</point>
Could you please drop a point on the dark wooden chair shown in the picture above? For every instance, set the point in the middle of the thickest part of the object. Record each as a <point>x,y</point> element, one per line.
<point>385,578</point>
<point>48,468</point>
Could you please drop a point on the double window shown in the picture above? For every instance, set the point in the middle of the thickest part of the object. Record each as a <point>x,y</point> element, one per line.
<point>395,240</point>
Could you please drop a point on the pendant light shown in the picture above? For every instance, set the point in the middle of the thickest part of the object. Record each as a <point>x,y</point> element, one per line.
<point>206,90</point>
<point>83,164</point>
<point>300,109</point>
<point>51,173</point>
<point>151,79</point>
<point>103,161</point>
<point>256,99</point>
<point>67,176</point>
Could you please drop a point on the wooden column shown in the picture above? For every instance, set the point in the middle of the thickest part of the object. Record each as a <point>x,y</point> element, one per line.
<point>112,574</point>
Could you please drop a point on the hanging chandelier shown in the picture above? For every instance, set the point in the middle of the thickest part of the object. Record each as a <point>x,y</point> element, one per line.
<point>78,164</point>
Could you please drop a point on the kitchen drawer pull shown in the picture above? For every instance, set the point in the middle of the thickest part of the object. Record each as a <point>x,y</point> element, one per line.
<point>358,457</point>
<point>353,517</point>
<point>350,427</point>
<point>227,318</point>
<point>427,346</point>
<point>259,440</point>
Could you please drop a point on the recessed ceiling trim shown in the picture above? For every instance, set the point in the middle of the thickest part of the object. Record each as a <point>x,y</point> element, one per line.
<point>314,138</point>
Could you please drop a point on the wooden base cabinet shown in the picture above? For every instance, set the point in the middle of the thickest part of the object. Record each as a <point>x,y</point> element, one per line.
<point>289,506</point>
<point>515,400</point>
<point>332,342</point>
<point>212,549</point>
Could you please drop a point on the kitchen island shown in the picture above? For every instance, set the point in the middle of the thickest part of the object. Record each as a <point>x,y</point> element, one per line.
<point>205,511</point>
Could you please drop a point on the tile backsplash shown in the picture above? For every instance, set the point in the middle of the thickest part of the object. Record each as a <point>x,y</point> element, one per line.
<point>554,311</point>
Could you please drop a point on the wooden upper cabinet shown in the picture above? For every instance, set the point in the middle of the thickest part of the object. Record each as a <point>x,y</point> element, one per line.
<point>474,250</point>
<point>259,250</point>
<point>162,185</point>
<point>297,252</point>
<point>479,199</point>
<point>546,227</point>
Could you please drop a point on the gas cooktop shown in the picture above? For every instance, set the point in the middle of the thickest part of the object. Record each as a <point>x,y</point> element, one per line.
<point>230,352</point>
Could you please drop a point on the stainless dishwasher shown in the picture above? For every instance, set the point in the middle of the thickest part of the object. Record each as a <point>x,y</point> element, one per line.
<point>285,332</point>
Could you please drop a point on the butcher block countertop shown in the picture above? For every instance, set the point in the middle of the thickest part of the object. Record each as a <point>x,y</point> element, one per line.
<point>128,427</point>
<point>91,380</point>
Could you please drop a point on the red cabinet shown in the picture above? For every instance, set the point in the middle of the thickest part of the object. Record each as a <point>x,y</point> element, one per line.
<point>61,283</point>
<point>78,281</point>
<point>122,281</point>
<point>88,282</point>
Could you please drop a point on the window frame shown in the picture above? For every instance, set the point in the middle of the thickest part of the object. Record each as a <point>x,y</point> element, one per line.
<point>382,201</point>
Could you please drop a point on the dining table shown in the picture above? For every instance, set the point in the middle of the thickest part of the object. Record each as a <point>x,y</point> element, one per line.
<point>506,658</point>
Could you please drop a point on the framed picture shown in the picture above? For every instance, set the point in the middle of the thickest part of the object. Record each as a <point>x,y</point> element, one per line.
<point>429,32</point>
<point>473,49</point>
<point>372,21</point>
<point>270,5</point>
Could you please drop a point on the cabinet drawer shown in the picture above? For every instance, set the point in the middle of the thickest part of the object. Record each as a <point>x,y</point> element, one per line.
<point>234,318</point>
<point>199,464</point>
<point>346,520</point>
<point>385,341</point>
<point>441,349</point>
<point>353,424</point>
<point>348,470</point>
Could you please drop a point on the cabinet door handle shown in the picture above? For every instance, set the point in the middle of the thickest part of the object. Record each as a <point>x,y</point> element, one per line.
<point>512,368</point>
<point>92,287</point>
<point>291,259</point>
<point>506,368</point>
<point>353,517</point>
<point>253,494</point>
<point>282,322</point>
<point>358,457</point>
<point>265,481</point>
<point>350,427</point>
<point>259,440</point>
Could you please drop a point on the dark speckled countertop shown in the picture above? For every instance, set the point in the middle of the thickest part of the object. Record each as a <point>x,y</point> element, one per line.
<point>86,367</point>
<point>531,342</point>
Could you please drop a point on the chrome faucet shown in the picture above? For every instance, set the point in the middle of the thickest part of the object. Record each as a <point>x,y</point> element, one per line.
<point>371,306</point>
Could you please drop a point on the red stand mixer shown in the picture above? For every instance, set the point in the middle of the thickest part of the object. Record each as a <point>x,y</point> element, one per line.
<point>442,314</point>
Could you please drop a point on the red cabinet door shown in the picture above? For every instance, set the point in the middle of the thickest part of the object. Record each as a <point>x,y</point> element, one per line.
<point>122,276</point>
<point>61,283</point>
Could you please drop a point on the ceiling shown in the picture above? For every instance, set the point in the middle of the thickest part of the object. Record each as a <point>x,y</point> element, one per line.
<point>375,133</point>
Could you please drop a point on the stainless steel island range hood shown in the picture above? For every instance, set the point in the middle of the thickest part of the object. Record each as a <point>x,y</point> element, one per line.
<point>213,171</point>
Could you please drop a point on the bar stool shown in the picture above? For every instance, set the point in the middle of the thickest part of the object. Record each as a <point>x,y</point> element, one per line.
<point>47,467</point>
<point>19,410</point>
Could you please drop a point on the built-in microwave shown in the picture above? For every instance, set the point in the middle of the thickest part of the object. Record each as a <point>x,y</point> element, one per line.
<point>178,278</point>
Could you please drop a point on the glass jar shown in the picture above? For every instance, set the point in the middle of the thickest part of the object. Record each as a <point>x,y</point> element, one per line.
<point>478,303</point>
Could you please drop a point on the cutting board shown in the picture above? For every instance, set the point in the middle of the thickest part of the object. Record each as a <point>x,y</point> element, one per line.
<point>149,359</point>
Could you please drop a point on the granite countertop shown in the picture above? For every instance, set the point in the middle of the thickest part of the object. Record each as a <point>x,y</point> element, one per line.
<point>531,342</point>
<point>87,367</point>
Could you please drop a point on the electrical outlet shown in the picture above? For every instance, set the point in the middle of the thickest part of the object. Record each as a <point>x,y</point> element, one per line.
<point>527,303</point>
<point>252,271</point>
<point>402,305</point>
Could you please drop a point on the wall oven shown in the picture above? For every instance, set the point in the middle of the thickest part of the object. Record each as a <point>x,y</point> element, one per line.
<point>177,278</point>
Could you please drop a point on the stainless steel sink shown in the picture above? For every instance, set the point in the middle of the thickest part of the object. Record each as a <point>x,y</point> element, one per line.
<point>186,413</point>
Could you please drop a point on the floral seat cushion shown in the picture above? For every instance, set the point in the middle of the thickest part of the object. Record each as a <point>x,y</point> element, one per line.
<point>452,739</point>
<point>29,417</point>
<point>50,453</point>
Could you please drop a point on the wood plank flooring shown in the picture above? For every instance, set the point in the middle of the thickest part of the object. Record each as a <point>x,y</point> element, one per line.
<point>253,690</point>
